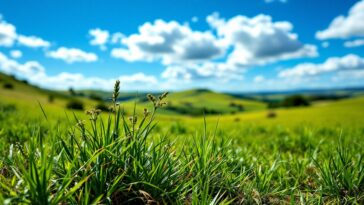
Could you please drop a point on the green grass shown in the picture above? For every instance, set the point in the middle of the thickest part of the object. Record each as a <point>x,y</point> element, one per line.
<point>308,155</point>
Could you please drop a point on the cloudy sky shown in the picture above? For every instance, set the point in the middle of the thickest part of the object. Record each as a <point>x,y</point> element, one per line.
<point>224,45</point>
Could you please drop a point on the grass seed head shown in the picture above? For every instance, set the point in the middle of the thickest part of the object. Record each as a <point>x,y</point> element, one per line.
<point>146,112</point>
<point>133,119</point>
<point>116,93</point>
<point>93,113</point>
<point>164,95</point>
<point>81,124</point>
<point>151,98</point>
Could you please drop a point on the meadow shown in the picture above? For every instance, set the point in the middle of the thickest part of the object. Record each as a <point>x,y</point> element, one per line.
<point>163,149</point>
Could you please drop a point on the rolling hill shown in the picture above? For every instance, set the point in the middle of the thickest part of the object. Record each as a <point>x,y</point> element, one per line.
<point>191,102</point>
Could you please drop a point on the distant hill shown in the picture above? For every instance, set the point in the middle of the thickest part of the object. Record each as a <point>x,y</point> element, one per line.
<point>197,101</point>
<point>194,102</point>
<point>191,102</point>
<point>312,94</point>
<point>8,82</point>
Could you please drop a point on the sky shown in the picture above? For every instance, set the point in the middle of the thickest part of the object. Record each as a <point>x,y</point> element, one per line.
<point>222,45</point>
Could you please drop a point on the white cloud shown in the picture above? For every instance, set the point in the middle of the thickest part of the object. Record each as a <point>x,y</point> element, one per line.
<point>176,72</point>
<point>7,33</point>
<point>169,42</point>
<point>256,40</point>
<point>99,37</point>
<point>71,55</point>
<point>9,66</point>
<point>349,75</point>
<point>32,41</point>
<point>259,40</point>
<point>349,62</point>
<point>202,71</point>
<point>259,79</point>
<point>224,52</point>
<point>348,26</point>
<point>16,54</point>
<point>354,43</point>
<point>117,38</point>
<point>35,73</point>
<point>137,78</point>
<point>8,36</point>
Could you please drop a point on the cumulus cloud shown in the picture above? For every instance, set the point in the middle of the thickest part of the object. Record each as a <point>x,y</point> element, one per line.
<point>202,71</point>
<point>224,51</point>
<point>71,55</point>
<point>259,40</point>
<point>35,73</point>
<point>78,81</point>
<point>349,62</point>
<point>8,36</point>
<point>117,38</point>
<point>32,41</point>
<point>349,75</point>
<point>10,66</point>
<point>348,26</point>
<point>7,33</point>
<point>16,54</point>
<point>354,43</point>
<point>169,42</point>
<point>99,37</point>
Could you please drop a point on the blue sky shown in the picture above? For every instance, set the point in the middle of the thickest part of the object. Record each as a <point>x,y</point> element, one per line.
<point>234,45</point>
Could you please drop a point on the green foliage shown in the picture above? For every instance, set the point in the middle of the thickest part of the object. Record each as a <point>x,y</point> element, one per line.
<point>51,98</point>
<point>295,101</point>
<point>192,111</point>
<point>8,86</point>
<point>95,97</point>
<point>102,107</point>
<point>72,92</point>
<point>290,101</point>
<point>75,105</point>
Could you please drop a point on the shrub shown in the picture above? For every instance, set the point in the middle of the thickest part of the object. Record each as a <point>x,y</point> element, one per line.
<point>274,104</point>
<point>271,114</point>
<point>8,86</point>
<point>75,105</point>
<point>192,111</point>
<point>72,91</point>
<point>239,107</point>
<point>102,107</point>
<point>295,101</point>
<point>290,101</point>
<point>95,97</point>
<point>50,98</point>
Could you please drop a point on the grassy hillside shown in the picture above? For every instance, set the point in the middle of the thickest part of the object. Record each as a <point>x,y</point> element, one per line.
<point>192,102</point>
<point>305,155</point>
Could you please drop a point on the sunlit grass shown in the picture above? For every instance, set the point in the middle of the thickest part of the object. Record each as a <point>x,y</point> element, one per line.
<point>301,156</point>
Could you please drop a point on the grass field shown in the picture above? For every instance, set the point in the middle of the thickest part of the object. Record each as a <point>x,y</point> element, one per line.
<point>241,155</point>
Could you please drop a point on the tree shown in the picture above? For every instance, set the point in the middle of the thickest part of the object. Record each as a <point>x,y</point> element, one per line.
<point>295,101</point>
